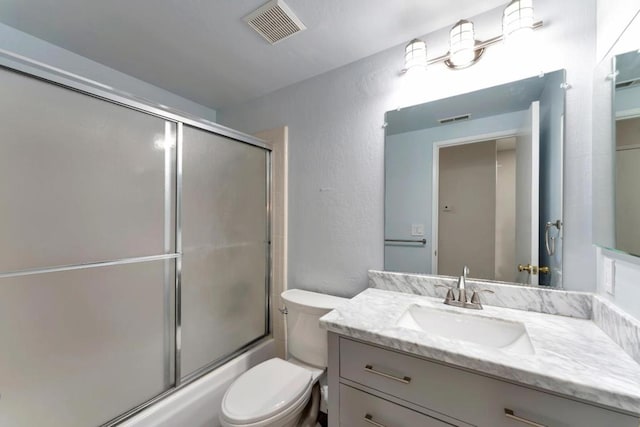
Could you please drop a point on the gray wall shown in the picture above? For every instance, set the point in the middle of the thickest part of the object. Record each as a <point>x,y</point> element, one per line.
<point>627,99</point>
<point>23,44</point>
<point>336,143</point>
<point>408,187</point>
<point>409,184</point>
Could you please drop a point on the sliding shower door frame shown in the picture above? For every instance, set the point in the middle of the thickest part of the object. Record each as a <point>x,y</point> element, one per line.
<point>49,74</point>
<point>57,76</point>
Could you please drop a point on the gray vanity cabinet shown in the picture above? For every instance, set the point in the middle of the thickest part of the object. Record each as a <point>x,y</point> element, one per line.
<point>378,387</point>
<point>361,409</point>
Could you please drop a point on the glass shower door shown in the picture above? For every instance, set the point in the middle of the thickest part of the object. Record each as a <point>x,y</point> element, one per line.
<point>225,249</point>
<point>134,254</point>
<point>87,255</point>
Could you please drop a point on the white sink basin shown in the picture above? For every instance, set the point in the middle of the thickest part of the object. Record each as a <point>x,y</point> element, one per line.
<point>493,333</point>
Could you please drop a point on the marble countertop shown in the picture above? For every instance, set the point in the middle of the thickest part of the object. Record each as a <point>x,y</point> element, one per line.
<point>572,356</point>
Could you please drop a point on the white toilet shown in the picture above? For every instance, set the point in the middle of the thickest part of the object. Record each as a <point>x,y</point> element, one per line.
<point>276,392</point>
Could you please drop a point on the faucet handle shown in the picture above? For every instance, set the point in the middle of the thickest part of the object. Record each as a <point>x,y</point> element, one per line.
<point>475,296</point>
<point>450,296</point>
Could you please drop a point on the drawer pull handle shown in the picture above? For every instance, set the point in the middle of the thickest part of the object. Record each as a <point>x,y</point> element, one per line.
<point>369,418</point>
<point>512,416</point>
<point>403,380</point>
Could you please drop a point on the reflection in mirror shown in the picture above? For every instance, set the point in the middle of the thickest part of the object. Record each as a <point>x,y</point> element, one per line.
<point>626,108</point>
<point>476,180</point>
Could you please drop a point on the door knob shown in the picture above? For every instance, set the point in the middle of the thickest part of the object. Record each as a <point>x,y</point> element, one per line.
<point>531,269</point>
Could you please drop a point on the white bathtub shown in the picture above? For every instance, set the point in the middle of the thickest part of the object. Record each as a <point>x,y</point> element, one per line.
<point>198,404</point>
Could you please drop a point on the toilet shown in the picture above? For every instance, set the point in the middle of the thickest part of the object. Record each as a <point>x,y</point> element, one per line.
<point>283,393</point>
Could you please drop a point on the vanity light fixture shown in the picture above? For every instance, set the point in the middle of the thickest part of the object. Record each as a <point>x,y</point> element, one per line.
<point>464,49</point>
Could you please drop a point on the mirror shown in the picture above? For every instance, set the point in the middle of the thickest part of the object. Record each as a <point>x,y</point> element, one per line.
<point>616,109</point>
<point>626,130</point>
<point>476,179</point>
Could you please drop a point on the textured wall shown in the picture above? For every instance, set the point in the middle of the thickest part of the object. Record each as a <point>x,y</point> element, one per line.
<point>336,143</point>
<point>335,172</point>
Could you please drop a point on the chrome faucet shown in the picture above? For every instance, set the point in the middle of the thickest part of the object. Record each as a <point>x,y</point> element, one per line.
<point>462,285</point>
<point>461,301</point>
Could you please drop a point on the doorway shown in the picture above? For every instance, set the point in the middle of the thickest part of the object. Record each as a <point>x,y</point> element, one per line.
<point>477,208</point>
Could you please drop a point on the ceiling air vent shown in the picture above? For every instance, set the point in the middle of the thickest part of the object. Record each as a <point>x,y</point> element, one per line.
<point>275,21</point>
<point>455,119</point>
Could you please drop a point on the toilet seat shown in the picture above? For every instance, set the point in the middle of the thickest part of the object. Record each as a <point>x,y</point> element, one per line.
<point>271,390</point>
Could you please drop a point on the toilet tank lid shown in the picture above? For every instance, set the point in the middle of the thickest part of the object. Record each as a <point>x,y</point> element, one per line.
<point>311,300</point>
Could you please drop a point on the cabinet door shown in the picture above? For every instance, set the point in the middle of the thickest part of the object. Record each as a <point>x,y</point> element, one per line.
<point>360,409</point>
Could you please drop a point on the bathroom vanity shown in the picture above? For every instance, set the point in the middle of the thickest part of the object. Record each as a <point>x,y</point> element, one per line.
<point>397,359</point>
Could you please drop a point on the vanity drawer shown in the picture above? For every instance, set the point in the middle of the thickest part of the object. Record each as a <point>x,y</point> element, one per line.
<point>360,409</point>
<point>466,396</point>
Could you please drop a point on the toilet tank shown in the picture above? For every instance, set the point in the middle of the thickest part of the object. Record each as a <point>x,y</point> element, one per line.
<point>306,341</point>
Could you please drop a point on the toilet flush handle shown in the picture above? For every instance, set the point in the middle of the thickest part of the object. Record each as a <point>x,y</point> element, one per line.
<point>283,310</point>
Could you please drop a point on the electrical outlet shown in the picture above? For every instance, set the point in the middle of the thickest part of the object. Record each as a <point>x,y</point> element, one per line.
<point>609,273</point>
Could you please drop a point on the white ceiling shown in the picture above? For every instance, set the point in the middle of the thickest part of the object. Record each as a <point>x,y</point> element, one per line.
<point>202,50</point>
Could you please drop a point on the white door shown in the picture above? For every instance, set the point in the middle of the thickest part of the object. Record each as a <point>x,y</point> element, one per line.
<point>527,199</point>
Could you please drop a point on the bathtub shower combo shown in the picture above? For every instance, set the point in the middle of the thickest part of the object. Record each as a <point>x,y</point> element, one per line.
<point>134,250</point>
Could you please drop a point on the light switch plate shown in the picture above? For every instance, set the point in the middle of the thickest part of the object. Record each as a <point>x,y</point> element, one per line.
<point>609,273</point>
<point>417,229</point>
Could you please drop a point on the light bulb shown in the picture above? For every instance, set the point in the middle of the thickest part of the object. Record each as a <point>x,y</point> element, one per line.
<point>462,43</point>
<point>518,18</point>
<point>415,55</point>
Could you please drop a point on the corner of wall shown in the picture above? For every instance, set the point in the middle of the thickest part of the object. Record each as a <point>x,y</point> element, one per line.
<point>626,280</point>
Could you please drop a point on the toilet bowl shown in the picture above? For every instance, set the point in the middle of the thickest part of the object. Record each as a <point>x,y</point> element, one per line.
<point>275,393</point>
